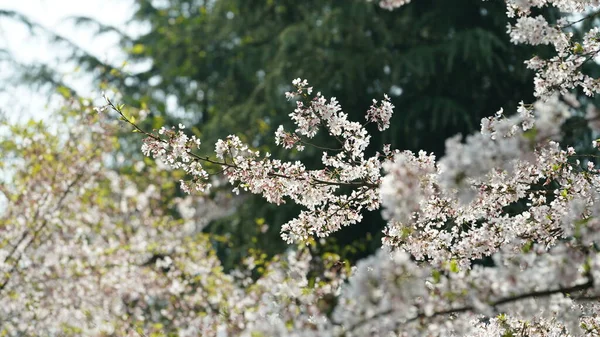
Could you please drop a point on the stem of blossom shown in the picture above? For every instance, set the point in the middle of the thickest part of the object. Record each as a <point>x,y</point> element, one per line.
<point>319,147</point>
<point>589,16</point>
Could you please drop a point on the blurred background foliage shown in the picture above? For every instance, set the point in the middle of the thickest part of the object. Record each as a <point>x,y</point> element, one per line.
<point>222,66</point>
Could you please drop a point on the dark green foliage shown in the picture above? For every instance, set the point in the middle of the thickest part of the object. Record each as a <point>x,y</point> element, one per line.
<point>451,60</point>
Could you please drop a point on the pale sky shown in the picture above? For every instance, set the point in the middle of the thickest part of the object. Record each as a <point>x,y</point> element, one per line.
<point>21,102</point>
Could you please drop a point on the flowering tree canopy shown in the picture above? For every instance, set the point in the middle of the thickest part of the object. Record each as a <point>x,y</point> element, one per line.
<point>500,236</point>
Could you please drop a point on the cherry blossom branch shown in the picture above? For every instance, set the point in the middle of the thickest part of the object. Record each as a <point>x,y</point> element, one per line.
<point>567,291</point>
<point>35,233</point>
<point>225,164</point>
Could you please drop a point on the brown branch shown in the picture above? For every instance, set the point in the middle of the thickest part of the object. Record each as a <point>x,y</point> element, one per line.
<point>566,291</point>
<point>589,16</point>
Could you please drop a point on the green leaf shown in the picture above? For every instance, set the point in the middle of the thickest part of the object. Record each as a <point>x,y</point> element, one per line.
<point>64,91</point>
<point>527,247</point>
<point>138,49</point>
<point>454,266</point>
<point>530,134</point>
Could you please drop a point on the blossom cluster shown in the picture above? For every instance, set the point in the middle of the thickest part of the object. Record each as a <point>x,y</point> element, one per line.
<point>327,209</point>
<point>392,4</point>
<point>418,300</point>
<point>458,209</point>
